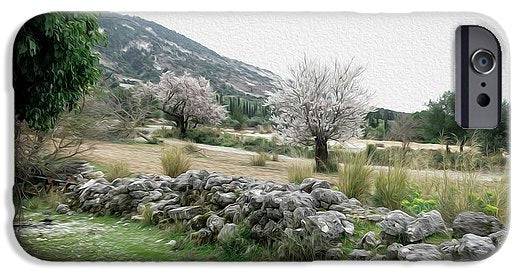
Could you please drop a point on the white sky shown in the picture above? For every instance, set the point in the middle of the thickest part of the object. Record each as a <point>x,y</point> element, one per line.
<point>408,58</point>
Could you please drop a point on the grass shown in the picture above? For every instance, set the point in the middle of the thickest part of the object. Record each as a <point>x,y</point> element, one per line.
<point>119,169</point>
<point>175,161</point>
<point>355,178</point>
<point>83,237</point>
<point>391,187</point>
<point>300,170</point>
<point>258,160</point>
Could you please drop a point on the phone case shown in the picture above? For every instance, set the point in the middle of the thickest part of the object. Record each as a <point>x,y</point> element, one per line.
<point>252,137</point>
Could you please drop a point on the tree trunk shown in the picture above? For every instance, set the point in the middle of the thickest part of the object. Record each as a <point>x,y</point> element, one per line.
<point>462,145</point>
<point>321,154</point>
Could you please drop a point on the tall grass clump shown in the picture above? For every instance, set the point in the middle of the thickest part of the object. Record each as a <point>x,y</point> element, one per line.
<point>300,170</point>
<point>391,187</point>
<point>355,178</point>
<point>119,169</point>
<point>456,195</point>
<point>175,161</point>
<point>258,159</point>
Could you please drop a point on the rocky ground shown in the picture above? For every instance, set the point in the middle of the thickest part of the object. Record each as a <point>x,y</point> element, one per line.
<point>214,207</point>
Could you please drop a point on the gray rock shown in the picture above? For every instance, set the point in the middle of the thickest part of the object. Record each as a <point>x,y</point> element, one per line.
<point>426,224</point>
<point>223,199</point>
<point>232,213</point>
<point>227,232</point>
<point>216,180</point>
<point>185,212</point>
<point>498,238</point>
<point>449,249</point>
<point>419,252</point>
<point>329,224</point>
<point>473,247</point>
<point>202,236</point>
<point>368,241</point>
<point>296,199</point>
<point>334,254</point>
<point>215,223</point>
<point>360,254</point>
<point>475,223</point>
<point>395,223</point>
<point>62,208</point>
<point>392,251</point>
<point>328,196</point>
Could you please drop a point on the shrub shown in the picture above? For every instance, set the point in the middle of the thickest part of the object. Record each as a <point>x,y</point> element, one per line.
<point>391,187</point>
<point>355,177</point>
<point>416,204</point>
<point>308,247</point>
<point>258,160</point>
<point>175,161</point>
<point>205,135</point>
<point>119,169</point>
<point>300,170</point>
<point>147,215</point>
<point>165,132</point>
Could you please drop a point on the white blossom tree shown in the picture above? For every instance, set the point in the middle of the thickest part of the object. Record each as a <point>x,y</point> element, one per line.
<point>187,101</point>
<point>321,103</point>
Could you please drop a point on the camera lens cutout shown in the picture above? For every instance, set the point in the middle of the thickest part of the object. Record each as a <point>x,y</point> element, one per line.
<point>483,100</point>
<point>483,61</point>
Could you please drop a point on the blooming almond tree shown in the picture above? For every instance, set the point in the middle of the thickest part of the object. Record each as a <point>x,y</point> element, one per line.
<point>321,103</point>
<point>187,101</point>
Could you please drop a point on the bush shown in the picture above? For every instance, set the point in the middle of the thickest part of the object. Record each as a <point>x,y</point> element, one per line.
<point>416,204</point>
<point>355,177</point>
<point>147,215</point>
<point>119,169</point>
<point>295,247</point>
<point>165,132</point>
<point>391,187</point>
<point>258,160</point>
<point>175,161</point>
<point>300,170</point>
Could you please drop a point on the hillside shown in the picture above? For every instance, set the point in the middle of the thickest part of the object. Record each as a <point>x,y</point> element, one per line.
<point>139,51</point>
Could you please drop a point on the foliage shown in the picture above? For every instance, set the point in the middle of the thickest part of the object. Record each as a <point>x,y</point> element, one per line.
<point>187,101</point>
<point>295,247</point>
<point>258,159</point>
<point>493,141</point>
<point>147,215</point>
<point>175,161</point>
<point>404,129</point>
<point>355,177</point>
<point>320,103</point>
<point>391,187</point>
<point>54,66</point>
<point>415,204</point>
<point>438,121</point>
<point>119,169</point>
<point>300,170</point>
<point>166,132</point>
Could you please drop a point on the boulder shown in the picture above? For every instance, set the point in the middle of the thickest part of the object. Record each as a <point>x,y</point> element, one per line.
<point>215,223</point>
<point>475,223</point>
<point>473,247</point>
<point>426,224</point>
<point>310,184</point>
<point>227,232</point>
<point>368,241</point>
<point>419,252</point>
<point>216,180</point>
<point>223,199</point>
<point>334,254</point>
<point>185,212</point>
<point>395,223</point>
<point>329,224</point>
<point>498,238</point>
<point>392,251</point>
<point>327,197</point>
<point>449,249</point>
<point>360,254</point>
<point>202,236</point>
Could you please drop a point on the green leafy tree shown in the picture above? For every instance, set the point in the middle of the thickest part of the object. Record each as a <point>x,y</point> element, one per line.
<point>54,66</point>
<point>493,140</point>
<point>438,122</point>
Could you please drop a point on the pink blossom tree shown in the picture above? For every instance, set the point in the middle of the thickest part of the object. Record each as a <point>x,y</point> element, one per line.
<point>321,103</point>
<point>187,101</point>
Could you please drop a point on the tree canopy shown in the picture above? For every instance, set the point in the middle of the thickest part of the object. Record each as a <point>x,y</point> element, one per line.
<point>54,66</point>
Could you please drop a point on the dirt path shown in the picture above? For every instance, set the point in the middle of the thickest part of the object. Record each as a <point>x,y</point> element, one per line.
<point>145,158</point>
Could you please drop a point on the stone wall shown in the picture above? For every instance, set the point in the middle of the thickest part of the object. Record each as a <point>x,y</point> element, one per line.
<point>213,205</point>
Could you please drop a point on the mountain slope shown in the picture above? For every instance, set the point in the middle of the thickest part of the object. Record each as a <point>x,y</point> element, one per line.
<point>139,51</point>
